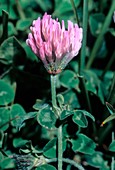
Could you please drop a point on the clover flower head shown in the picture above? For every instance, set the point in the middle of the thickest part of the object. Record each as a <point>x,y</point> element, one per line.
<point>54,45</point>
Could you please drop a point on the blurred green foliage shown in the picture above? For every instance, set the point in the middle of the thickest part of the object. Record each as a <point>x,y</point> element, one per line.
<point>27,121</point>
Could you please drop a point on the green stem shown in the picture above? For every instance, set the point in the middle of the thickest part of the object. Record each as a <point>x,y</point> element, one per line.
<point>53,90</point>
<point>68,161</point>
<point>109,64</point>
<point>86,99</point>
<point>111,97</point>
<point>85,93</point>
<point>20,10</point>
<point>85,24</point>
<point>101,35</point>
<point>112,162</point>
<point>104,133</point>
<point>74,10</point>
<point>60,147</point>
<point>8,122</point>
<point>5,73</point>
<point>54,104</point>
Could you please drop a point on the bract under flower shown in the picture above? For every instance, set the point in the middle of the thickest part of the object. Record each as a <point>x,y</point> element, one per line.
<point>53,44</point>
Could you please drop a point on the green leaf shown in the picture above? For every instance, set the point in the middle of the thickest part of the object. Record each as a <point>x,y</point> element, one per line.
<point>24,24</point>
<point>25,151</point>
<point>69,79</point>
<point>96,160</point>
<point>94,84</point>
<point>9,8</point>
<point>30,115</point>
<point>11,29</point>
<point>50,149</point>
<point>64,7</point>
<point>30,149</point>
<point>102,53</point>
<point>17,113</point>
<point>34,150</point>
<point>107,82</point>
<point>74,66</point>
<point>70,98</point>
<point>111,117</point>
<point>3,7</point>
<point>96,22</point>
<point>46,166</point>
<point>22,120</point>
<point>47,118</point>
<point>6,93</point>
<point>5,17</point>
<point>65,114</point>
<point>60,100</point>
<point>11,51</point>
<point>13,14</point>
<point>40,105</point>
<point>7,163</point>
<point>1,156</point>
<point>43,5</point>
<point>1,139</point>
<point>83,144</point>
<point>4,118</point>
<point>25,4</point>
<point>19,142</point>
<point>112,146</point>
<point>85,113</point>
<point>112,31</point>
<point>91,87</point>
<point>80,119</point>
<point>30,55</point>
<point>110,108</point>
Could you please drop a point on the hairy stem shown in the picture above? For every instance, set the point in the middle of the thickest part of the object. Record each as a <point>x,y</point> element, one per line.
<point>112,162</point>
<point>60,147</point>
<point>54,104</point>
<point>69,161</point>
<point>53,90</point>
